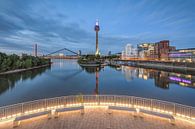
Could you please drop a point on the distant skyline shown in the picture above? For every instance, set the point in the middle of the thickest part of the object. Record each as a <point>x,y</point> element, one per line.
<point>55,24</point>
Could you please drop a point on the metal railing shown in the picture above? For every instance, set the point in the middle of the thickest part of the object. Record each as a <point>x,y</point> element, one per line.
<point>12,111</point>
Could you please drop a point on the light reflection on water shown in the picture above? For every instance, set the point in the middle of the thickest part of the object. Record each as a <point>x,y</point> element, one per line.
<point>66,77</point>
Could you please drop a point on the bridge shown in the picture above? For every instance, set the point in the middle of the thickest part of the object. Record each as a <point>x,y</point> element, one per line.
<point>74,55</point>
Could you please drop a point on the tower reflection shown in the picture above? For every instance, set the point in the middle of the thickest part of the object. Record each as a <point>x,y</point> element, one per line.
<point>92,70</point>
<point>96,91</point>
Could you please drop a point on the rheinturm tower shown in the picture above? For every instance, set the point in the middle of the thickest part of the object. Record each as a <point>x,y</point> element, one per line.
<point>97,29</point>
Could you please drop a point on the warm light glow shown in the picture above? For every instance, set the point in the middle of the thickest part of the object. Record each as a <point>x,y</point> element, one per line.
<point>95,104</point>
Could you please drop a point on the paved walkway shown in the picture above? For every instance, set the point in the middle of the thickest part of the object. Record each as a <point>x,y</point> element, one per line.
<point>98,118</point>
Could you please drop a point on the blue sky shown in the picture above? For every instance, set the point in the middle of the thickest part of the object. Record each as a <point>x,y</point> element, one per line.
<point>54,24</point>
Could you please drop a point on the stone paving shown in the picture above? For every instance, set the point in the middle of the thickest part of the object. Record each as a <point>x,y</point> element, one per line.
<point>99,118</point>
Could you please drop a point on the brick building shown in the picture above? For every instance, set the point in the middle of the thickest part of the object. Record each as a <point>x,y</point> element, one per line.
<point>162,49</point>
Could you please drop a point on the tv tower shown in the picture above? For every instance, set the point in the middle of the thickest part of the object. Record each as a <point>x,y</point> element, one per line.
<point>97,29</point>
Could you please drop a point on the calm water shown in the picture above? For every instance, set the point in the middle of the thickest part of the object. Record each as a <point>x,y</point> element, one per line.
<point>66,77</point>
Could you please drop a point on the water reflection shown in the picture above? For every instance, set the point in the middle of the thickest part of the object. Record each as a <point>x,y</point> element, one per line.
<point>162,79</point>
<point>93,70</point>
<point>10,80</point>
<point>67,77</point>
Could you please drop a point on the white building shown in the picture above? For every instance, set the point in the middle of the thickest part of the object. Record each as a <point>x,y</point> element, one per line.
<point>129,52</point>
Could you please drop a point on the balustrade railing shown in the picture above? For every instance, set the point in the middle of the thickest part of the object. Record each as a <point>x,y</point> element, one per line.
<point>12,111</point>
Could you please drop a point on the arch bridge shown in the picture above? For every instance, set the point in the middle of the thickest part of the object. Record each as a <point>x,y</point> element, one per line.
<point>73,55</point>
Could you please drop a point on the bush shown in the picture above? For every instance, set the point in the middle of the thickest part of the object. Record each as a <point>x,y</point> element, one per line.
<point>12,62</point>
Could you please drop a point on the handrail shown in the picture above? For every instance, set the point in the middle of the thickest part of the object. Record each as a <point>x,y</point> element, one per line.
<point>175,109</point>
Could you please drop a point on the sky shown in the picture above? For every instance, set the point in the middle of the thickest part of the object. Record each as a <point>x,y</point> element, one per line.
<point>56,24</point>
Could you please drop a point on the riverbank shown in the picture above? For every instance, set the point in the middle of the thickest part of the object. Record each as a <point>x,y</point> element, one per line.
<point>162,66</point>
<point>165,66</point>
<point>168,68</point>
<point>22,70</point>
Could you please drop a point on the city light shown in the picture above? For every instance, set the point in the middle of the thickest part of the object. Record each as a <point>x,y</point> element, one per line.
<point>180,80</point>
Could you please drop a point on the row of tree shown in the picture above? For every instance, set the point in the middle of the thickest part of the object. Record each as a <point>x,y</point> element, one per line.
<point>12,62</point>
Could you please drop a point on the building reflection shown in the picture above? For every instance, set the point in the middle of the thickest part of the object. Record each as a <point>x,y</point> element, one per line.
<point>10,80</point>
<point>162,79</point>
<point>129,73</point>
<point>93,70</point>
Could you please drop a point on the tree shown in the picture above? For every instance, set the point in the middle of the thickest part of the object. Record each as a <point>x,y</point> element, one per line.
<point>28,63</point>
<point>11,62</point>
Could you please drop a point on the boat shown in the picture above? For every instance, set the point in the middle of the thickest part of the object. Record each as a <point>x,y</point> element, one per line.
<point>90,61</point>
<point>89,65</point>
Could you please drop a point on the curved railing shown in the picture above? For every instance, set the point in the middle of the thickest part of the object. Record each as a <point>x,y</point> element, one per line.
<point>177,110</point>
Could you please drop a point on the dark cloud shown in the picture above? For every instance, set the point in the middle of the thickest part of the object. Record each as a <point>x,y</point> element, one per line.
<point>31,27</point>
<point>57,24</point>
<point>21,26</point>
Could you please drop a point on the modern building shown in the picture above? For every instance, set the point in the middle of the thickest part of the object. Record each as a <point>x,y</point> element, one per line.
<point>129,52</point>
<point>149,51</point>
<point>182,55</point>
<point>109,53</point>
<point>145,50</point>
<point>35,50</point>
<point>162,49</point>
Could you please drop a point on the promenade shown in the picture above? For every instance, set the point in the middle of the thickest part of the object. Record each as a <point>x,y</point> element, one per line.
<point>92,111</point>
<point>99,118</point>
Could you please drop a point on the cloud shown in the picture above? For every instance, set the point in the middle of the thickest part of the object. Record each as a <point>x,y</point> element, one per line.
<point>24,28</point>
<point>58,24</point>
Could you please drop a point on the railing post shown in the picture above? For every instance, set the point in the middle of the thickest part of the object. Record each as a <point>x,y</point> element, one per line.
<point>4,112</point>
<point>45,103</point>
<point>98,99</point>
<point>174,109</point>
<point>132,101</point>
<point>82,100</point>
<point>22,110</point>
<point>65,101</point>
<point>58,101</point>
<point>151,104</point>
<point>114,100</point>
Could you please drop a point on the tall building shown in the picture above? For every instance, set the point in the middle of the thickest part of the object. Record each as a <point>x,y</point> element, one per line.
<point>35,50</point>
<point>129,52</point>
<point>109,53</point>
<point>97,29</point>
